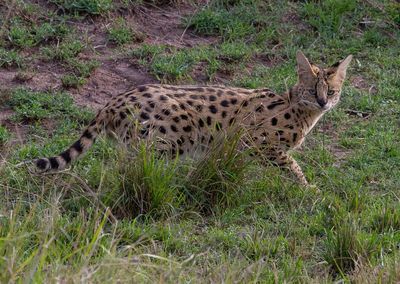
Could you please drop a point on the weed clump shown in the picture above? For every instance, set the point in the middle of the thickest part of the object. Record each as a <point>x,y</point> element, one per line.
<point>93,7</point>
<point>120,33</point>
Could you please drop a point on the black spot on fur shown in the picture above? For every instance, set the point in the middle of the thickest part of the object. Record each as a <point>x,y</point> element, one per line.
<point>294,137</point>
<point>209,120</point>
<point>274,121</point>
<point>176,119</point>
<point>287,115</point>
<point>231,121</point>
<point>77,146</point>
<point>275,103</point>
<point>223,114</point>
<point>260,108</point>
<point>174,107</point>
<point>147,95</point>
<point>234,101</point>
<point>163,98</point>
<point>187,128</point>
<point>122,115</point>
<point>189,102</point>
<point>132,98</point>
<point>213,109</point>
<point>180,141</point>
<point>144,132</point>
<point>41,164</point>
<point>87,134</point>
<point>225,103</point>
<point>151,104</point>
<point>199,108</point>
<point>158,117</point>
<point>184,117</point>
<point>142,88</point>
<point>181,151</point>
<point>212,98</point>
<point>162,129</point>
<point>244,103</point>
<point>194,97</point>
<point>173,128</point>
<point>218,126</point>
<point>166,111</point>
<point>66,156</point>
<point>54,163</point>
<point>201,122</point>
<point>144,115</point>
<point>182,106</point>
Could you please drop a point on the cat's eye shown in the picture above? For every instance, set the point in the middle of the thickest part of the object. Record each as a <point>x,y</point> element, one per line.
<point>331,92</point>
<point>313,92</point>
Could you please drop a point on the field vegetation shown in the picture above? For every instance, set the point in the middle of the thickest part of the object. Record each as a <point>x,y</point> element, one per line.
<point>133,216</point>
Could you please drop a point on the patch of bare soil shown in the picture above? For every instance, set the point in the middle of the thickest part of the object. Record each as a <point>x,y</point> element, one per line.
<point>361,83</point>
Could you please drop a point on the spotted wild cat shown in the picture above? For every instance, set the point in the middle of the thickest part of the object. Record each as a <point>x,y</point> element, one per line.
<point>182,118</point>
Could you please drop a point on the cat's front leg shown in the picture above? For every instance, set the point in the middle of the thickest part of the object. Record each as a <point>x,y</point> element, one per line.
<point>284,160</point>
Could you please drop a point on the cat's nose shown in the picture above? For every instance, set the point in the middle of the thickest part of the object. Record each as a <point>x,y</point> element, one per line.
<point>321,102</point>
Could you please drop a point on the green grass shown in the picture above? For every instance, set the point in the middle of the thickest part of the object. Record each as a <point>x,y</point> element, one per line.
<point>10,58</point>
<point>4,135</point>
<point>95,7</point>
<point>134,216</point>
<point>121,33</point>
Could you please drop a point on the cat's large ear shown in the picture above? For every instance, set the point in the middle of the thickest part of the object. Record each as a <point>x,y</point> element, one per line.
<point>341,68</point>
<point>304,69</point>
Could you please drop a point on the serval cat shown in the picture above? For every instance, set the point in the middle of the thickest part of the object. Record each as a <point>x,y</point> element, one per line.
<point>182,118</point>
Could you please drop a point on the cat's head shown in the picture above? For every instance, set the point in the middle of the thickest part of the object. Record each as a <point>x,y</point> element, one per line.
<point>319,88</point>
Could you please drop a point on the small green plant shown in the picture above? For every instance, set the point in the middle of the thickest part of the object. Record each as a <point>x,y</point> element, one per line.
<point>388,219</point>
<point>239,22</point>
<point>26,34</point>
<point>66,50</point>
<point>234,51</point>
<point>346,246</point>
<point>20,36</point>
<point>95,7</point>
<point>81,69</point>
<point>4,135</point>
<point>10,58</point>
<point>148,51</point>
<point>49,31</point>
<point>172,67</point>
<point>120,33</point>
<point>72,81</point>
<point>218,173</point>
<point>146,182</point>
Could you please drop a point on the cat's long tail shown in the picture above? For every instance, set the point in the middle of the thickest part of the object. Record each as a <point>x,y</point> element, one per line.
<point>76,150</point>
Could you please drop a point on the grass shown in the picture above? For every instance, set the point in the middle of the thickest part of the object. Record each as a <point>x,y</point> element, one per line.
<point>120,33</point>
<point>134,216</point>
<point>10,58</point>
